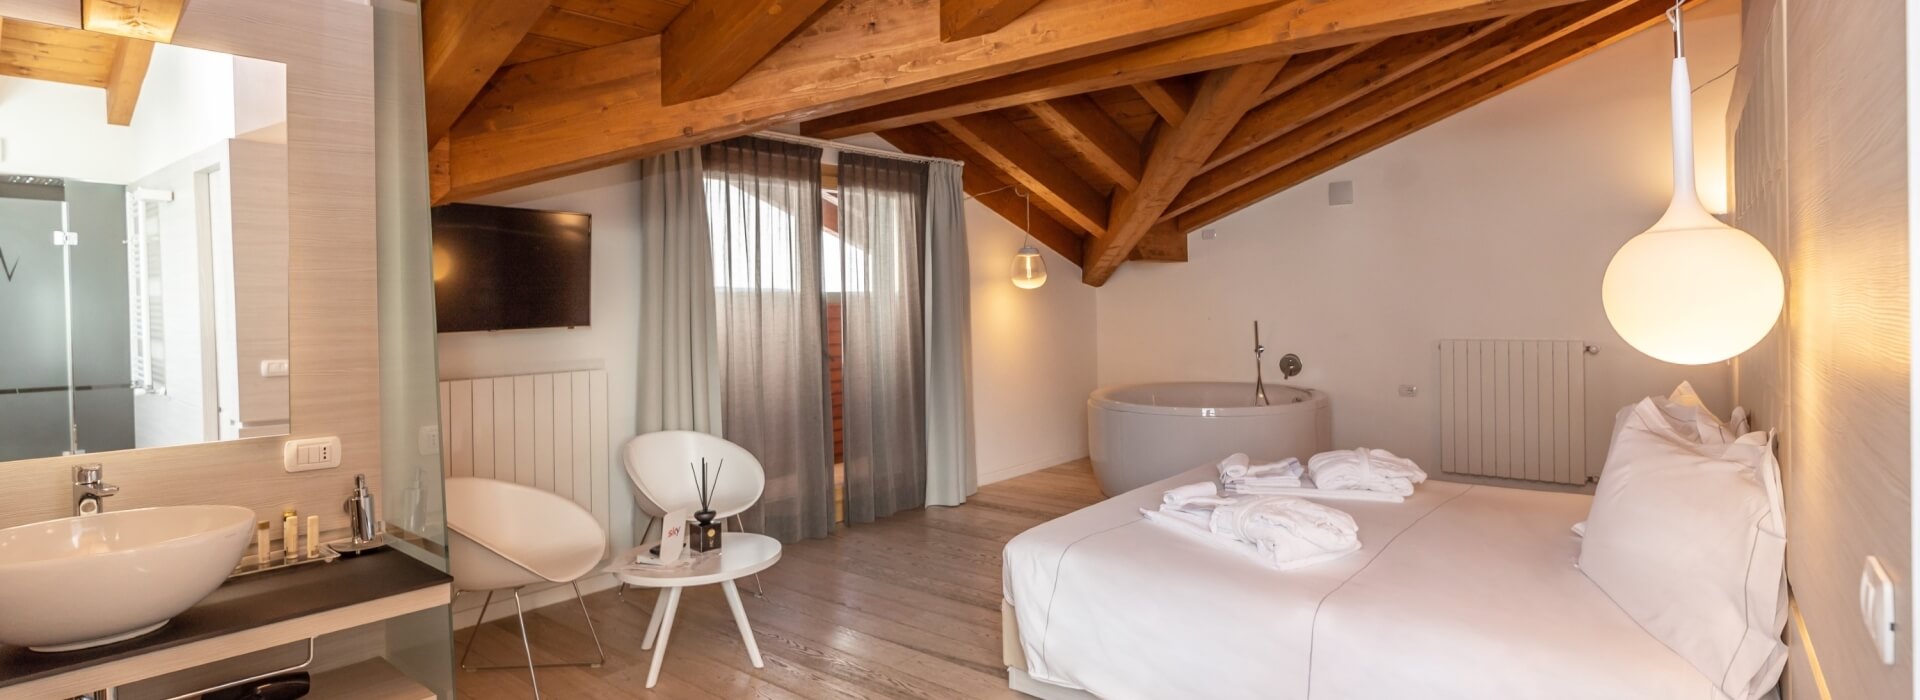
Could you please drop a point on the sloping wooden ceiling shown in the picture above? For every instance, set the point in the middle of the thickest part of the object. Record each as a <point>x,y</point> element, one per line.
<point>75,56</point>
<point>1130,122</point>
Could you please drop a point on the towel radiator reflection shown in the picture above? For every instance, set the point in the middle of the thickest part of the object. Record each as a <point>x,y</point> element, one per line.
<point>1515,409</point>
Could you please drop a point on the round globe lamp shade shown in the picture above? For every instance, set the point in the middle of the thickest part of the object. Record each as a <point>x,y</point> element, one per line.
<point>1029,270</point>
<point>1693,296</point>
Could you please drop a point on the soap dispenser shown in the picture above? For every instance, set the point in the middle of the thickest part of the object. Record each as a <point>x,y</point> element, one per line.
<point>360,511</point>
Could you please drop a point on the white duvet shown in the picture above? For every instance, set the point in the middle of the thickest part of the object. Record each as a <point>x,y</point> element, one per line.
<point>1460,592</point>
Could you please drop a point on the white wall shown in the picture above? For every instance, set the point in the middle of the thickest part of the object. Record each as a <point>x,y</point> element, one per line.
<point>611,196</point>
<point>1033,355</point>
<point>1496,223</point>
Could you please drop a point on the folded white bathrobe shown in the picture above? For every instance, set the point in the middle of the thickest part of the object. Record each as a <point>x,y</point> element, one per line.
<point>1236,470</point>
<point>1282,532</point>
<point>1365,469</point>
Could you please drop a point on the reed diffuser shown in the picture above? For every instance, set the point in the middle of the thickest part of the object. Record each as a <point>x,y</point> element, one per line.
<point>706,536</point>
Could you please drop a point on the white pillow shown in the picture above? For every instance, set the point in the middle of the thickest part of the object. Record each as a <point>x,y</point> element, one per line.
<point>1690,418</point>
<point>1689,539</point>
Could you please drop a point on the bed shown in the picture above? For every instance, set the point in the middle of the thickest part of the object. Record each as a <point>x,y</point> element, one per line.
<point>1461,592</point>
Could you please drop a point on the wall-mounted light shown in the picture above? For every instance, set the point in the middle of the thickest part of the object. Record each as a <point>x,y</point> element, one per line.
<point>1029,269</point>
<point>1691,290</point>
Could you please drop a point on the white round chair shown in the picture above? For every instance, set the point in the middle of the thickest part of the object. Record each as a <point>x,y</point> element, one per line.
<point>507,536</point>
<point>658,465</point>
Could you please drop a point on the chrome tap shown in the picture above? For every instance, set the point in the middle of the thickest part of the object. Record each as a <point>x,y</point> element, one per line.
<point>88,490</point>
<point>1259,381</point>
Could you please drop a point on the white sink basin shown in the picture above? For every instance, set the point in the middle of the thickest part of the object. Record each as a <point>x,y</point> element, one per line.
<point>82,582</point>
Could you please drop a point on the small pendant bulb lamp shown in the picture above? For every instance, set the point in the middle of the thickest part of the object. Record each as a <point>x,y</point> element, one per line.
<point>1029,271</point>
<point>1691,290</point>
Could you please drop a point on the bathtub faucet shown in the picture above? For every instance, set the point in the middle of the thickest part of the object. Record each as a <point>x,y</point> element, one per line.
<point>1259,381</point>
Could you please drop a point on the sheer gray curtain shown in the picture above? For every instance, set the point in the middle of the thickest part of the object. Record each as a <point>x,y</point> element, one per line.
<point>951,472</point>
<point>763,207</point>
<point>679,365</point>
<point>882,213</point>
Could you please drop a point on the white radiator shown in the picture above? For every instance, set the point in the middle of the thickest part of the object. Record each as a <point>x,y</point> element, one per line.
<point>1514,409</point>
<point>548,431</point>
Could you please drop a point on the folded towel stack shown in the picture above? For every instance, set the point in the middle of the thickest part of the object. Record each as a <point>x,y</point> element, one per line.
<point>1362,469</point>
<point>1282,532</point>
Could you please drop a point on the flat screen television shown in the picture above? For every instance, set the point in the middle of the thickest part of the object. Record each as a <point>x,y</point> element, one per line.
<point>500,268</point>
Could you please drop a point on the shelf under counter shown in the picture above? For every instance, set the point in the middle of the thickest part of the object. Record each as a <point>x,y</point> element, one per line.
<point>245,614</point>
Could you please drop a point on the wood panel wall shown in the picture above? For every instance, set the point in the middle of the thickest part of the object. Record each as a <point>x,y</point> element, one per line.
<point>327,46</point>
<point>1820,176</point>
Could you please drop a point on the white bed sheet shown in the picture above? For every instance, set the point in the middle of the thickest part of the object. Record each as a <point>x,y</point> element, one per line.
<point>1461,592</point>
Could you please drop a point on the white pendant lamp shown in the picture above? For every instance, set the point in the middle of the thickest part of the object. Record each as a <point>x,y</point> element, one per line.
<point>1029,270</point>
<point>1691,290</point>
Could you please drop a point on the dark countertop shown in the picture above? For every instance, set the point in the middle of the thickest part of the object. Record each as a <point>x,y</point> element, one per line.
<point>244,603</point>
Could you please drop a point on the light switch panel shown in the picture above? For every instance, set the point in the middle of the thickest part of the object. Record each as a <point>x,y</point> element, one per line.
<point>273,368</point>
<point>309,454</point>
<point>1877,608</point>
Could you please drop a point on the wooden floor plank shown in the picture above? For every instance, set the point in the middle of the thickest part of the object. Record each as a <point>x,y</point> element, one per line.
<point>904,607</point>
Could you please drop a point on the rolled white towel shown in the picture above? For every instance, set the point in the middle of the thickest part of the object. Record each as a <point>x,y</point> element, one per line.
<point>1204,493</point>
<point>1286,472</point>
<point>1234,466</point>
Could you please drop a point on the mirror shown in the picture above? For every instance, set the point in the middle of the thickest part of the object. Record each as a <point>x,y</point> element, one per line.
<point>143,244</point>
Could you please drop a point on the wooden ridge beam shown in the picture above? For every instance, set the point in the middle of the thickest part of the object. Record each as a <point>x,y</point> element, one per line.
<point>1592,37</point>
<point>574,112</point>
<point>1002,143</point>
<point>991,189</point>
<point>1490,52</point>
<point>965,19</point>
<point>714,42</point>
<point>1091,132</point>
<point>464,43</point>
<point>151,20</point>
<point>1296,27</point>
<point>125,77</point>
<point>1172,98</point>
<point>1177,154</point>
<point>1388,61</point>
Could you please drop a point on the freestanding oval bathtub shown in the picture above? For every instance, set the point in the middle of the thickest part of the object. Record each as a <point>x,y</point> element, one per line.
<point>1143,433</point>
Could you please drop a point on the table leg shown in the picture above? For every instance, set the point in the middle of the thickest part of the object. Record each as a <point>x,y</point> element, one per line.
<point>666,629</point>
<point>740,617</point>
<point>653,621</point>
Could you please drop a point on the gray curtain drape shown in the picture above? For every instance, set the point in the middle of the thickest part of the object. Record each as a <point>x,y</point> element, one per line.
<point>882,214</point>
<point>763,205</point>
<point>679,374</point>
<point>951,471</point>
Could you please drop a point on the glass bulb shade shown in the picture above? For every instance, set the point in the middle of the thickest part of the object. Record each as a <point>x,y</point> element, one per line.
<point>1693,296</point>
<point>1029,270</point>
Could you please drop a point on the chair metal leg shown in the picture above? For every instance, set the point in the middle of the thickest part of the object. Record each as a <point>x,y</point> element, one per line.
<point>590,630</point>
<point>526,643</point>
<point>759,589</point>
<point>475,635</point>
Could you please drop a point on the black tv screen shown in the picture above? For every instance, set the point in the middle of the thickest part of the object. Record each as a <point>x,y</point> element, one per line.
<point>499,268</point>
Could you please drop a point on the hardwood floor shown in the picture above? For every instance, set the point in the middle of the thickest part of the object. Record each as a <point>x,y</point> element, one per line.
<point>907,607</point>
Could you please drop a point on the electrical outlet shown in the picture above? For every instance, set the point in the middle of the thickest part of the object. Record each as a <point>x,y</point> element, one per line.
<point>429,442</point>
<point>273,368</point>
<point>309,454</point>
<point>1409,390</point>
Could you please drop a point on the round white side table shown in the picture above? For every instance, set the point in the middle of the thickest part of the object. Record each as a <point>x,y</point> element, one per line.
<point>743,554</point>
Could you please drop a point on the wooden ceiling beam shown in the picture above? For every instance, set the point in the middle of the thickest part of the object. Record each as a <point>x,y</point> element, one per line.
<point>1091,132</point>
<point>1177,154</point>
<point>151,20</point>
<point>1163,243</point>
<point>1388,61</point>
<point>1172,98</point>
<point>1327,156</point>
<point>1001,142</point>
<point>603,106</point>
<point>465,42</point>
<point>965,19</point>
<point>714,42</point>
<point>1305,67</point>
<point>1293,28</point>
<point>1490,52</point>
<point>125,78</point>
<point>991,188</point>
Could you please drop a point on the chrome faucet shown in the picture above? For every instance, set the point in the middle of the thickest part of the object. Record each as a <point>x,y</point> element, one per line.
<point>88,490</point>
<point>1259,381</point>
